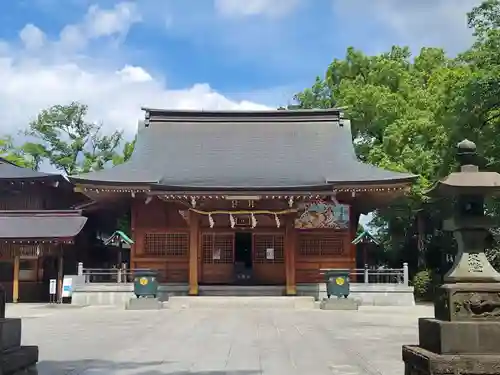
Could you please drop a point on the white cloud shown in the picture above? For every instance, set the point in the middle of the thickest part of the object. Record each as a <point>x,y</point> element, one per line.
<point>32,37</point>
<point>245,8</point>
<point>134,74</point>
<point>415,23</point>
<point>33,80</point>
<point>98,22</point>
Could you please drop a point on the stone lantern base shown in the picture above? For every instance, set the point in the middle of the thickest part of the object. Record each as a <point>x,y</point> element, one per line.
<point>464,338</point>
<point>14,357</point>
<point>419,361</point>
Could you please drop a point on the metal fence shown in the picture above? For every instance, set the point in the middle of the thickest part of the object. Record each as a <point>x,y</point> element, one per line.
<point>380,275</point>
<point>111,275</point>
<point>365,275</point>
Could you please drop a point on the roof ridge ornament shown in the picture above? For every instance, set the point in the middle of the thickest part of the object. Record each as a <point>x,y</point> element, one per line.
<point>467,156</point>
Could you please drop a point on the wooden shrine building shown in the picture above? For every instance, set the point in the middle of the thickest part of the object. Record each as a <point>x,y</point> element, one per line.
<point>36,227</point>
<point>256,198</point>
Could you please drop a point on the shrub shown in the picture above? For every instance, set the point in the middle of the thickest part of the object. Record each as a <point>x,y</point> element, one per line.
<point>423,285</point>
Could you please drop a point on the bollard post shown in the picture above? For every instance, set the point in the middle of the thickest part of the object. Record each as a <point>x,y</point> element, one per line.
<point>406,275</point>
<point>80,269</point>
<point>367,280</point>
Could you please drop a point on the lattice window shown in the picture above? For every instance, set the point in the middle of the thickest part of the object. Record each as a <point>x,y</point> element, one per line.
<point>166,244</point>
<point>269,248</point>
<point>320,245</point>
<point>217,248</point>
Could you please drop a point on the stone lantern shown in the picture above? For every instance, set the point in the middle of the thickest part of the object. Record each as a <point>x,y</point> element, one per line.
<point>464,336</point>
<point>14,357</point>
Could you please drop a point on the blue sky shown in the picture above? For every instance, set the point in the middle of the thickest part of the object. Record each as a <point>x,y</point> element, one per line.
<point>119,55</point>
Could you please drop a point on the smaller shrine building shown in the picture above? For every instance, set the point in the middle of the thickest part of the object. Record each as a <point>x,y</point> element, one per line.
<point>37,231</point>
<point>253,198</point>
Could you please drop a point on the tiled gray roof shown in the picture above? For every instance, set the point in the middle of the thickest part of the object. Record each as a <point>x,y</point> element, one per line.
<point>10,171</point>
<point>264,150</point>
<point>40,224</point>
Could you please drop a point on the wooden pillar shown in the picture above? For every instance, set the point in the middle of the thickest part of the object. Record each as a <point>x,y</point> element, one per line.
<point>15,283</point>
<point>353,226</point>
<point>290,251</point>
<point>194,235</point>
<point>60,275</point>
<point>138,241</point>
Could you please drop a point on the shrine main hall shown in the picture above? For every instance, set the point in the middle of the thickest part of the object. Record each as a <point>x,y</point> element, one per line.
<point>244,198</point>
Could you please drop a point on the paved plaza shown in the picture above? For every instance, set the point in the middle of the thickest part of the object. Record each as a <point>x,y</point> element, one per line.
<point>106,340</point>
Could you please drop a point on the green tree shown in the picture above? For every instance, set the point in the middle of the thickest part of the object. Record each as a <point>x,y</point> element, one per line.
<point>13,154</point>
<point>68,141</point>
<point>408,114</point>
<point>398,112</point>
<point>480,102</point>
<point>128,148</point>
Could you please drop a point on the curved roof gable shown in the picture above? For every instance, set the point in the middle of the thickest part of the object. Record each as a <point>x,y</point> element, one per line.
<point>238,150</point>
<point>10,171</point>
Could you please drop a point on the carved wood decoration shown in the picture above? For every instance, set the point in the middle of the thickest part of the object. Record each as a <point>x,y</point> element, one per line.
<point>323,215</point>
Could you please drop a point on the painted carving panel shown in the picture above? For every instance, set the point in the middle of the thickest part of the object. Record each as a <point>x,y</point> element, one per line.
<point>322,215</point>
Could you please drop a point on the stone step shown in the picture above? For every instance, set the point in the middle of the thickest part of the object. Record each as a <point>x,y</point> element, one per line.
<point>240,302</point>
<point>241,290</point>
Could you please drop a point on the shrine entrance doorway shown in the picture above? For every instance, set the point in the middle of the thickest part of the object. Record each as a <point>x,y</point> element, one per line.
<point>243,256</point>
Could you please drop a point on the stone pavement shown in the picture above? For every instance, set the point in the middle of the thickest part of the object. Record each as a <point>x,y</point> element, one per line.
<point>103,340</point>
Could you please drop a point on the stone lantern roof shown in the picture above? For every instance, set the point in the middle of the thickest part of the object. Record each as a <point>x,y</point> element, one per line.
<point>469,180</point>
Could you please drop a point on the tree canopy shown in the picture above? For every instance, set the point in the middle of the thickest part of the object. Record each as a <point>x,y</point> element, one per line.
<point>68,141</point>
<point>62,137</point>
<point>408,113</point>
<point>9,152</point>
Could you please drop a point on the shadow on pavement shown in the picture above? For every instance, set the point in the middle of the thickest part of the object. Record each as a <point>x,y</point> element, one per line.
<point>98,367</point>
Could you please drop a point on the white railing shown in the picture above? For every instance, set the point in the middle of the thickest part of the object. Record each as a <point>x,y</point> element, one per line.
<point>357,275</point>
<point>107,275</point>
<point>369,275</point>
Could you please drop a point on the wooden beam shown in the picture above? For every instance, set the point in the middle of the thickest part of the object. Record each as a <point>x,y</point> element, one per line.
<point>194,235</point>
<point>15,284</point>
<point>290,250</point>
